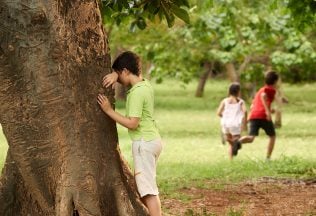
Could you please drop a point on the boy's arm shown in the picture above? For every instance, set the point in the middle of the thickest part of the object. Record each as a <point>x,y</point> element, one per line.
<point>243,107</point>
<point>244,119</point>
<point>110,79</point>
<point>220,109</point>
<point>128,122</point>
<point>265,104</point>
<point>248,116</point>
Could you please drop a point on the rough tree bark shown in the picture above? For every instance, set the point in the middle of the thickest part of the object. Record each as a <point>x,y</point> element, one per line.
<point>63,155</point>
<point>233,74</point>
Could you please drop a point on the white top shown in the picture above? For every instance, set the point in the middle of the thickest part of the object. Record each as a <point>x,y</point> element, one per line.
<point>232,114</point>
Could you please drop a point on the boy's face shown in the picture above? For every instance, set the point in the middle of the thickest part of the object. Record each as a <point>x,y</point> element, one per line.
<point>123,77</point>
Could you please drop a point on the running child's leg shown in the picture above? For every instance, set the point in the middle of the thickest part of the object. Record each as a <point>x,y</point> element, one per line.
<point>247,139</point>
<point>270,146</point>
<point>254,126</point>
<point>234,138</point>
<point>230,140</point>
<point>268,127</point>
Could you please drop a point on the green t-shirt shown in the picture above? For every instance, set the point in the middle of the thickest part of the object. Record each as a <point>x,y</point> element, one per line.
<point>140,103</point>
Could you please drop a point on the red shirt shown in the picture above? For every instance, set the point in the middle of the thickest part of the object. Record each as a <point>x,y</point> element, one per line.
<point>257,110</point>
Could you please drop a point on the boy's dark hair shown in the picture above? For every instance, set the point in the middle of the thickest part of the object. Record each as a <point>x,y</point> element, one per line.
<point>129,61</point>
<point>271,77</point>
<point>234,89</point>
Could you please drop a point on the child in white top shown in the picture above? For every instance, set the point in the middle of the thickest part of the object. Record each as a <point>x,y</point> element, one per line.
<point>232,111</point>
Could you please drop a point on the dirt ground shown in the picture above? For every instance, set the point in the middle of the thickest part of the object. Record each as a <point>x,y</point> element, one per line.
<point>266,196</point>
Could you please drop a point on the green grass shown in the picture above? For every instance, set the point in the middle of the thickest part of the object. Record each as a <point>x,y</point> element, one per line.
<point>193,153</point>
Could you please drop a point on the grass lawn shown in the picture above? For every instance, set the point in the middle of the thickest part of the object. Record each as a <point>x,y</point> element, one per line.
<point>193,151</point>
<point>192,146</point>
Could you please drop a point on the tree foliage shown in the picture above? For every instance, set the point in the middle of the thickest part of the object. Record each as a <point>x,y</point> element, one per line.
<point>303,12</point>
<point>141,10</point>
<point>251,35</point>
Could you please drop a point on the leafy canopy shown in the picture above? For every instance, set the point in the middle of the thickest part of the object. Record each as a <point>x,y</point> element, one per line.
<point>303,12</point>
<point>225,31</point>
<point>141,10</point>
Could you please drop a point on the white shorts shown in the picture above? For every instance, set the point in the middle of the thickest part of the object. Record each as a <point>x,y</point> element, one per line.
<point>231,130</point>
<point>145,155</point>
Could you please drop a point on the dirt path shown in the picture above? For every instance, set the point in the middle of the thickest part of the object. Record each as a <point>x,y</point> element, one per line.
<point>266,197</point>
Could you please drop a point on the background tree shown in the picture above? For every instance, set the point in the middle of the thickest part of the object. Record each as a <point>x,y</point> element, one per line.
<point>238,39</point>
<point>63,156</point>
<point>245,38</point>
<point>303,12</point>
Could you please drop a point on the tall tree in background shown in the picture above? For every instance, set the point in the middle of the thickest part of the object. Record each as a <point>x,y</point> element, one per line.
<point>244,37</point>
<point>63,155</point>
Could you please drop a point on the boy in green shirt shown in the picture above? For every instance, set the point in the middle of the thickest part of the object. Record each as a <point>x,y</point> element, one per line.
<point>141,126</point>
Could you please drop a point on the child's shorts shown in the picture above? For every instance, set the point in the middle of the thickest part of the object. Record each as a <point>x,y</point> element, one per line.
<point>145,155</point>
<point>256,124</point>
<point>231,130</point>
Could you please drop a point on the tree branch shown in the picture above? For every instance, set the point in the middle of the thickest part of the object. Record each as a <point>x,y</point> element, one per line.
<point>243,66</point>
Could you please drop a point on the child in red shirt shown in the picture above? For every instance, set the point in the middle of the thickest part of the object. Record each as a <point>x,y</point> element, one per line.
<point>260,115</point>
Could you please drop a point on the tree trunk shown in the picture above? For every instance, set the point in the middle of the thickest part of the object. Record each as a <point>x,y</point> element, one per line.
<point>63,155</point>
<point>231,72</point>
<point>242,67</point>
<point>208,67</point>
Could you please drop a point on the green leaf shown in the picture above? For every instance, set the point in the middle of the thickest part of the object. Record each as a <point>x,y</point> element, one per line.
<point>150,55</point>
<point>169,16</point>
<point>181,13</point>
<point>141,24</point>
<point>118,21</point>
<point>170,20</point>
<point>132,27</point>
<point>106,12</point>
<point>182,3</point>
<point>152,7</point>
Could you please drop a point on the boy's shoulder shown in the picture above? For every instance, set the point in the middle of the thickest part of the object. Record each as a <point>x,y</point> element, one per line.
<point>269,89</point>
<point>143,89</point>
<point>140,85</point>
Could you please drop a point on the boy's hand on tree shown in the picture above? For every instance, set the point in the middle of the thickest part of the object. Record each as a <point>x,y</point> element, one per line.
<point>104,103</point>
<point>110,80</point>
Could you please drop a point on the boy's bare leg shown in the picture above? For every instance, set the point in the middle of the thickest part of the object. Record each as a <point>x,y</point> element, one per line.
<point>152,202</point>
<point>229,139</point>
<point>231,144</point>
<point>230,151</point>
<point>270,146</point>
<point>247,139</point>
<point>237,143</point>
